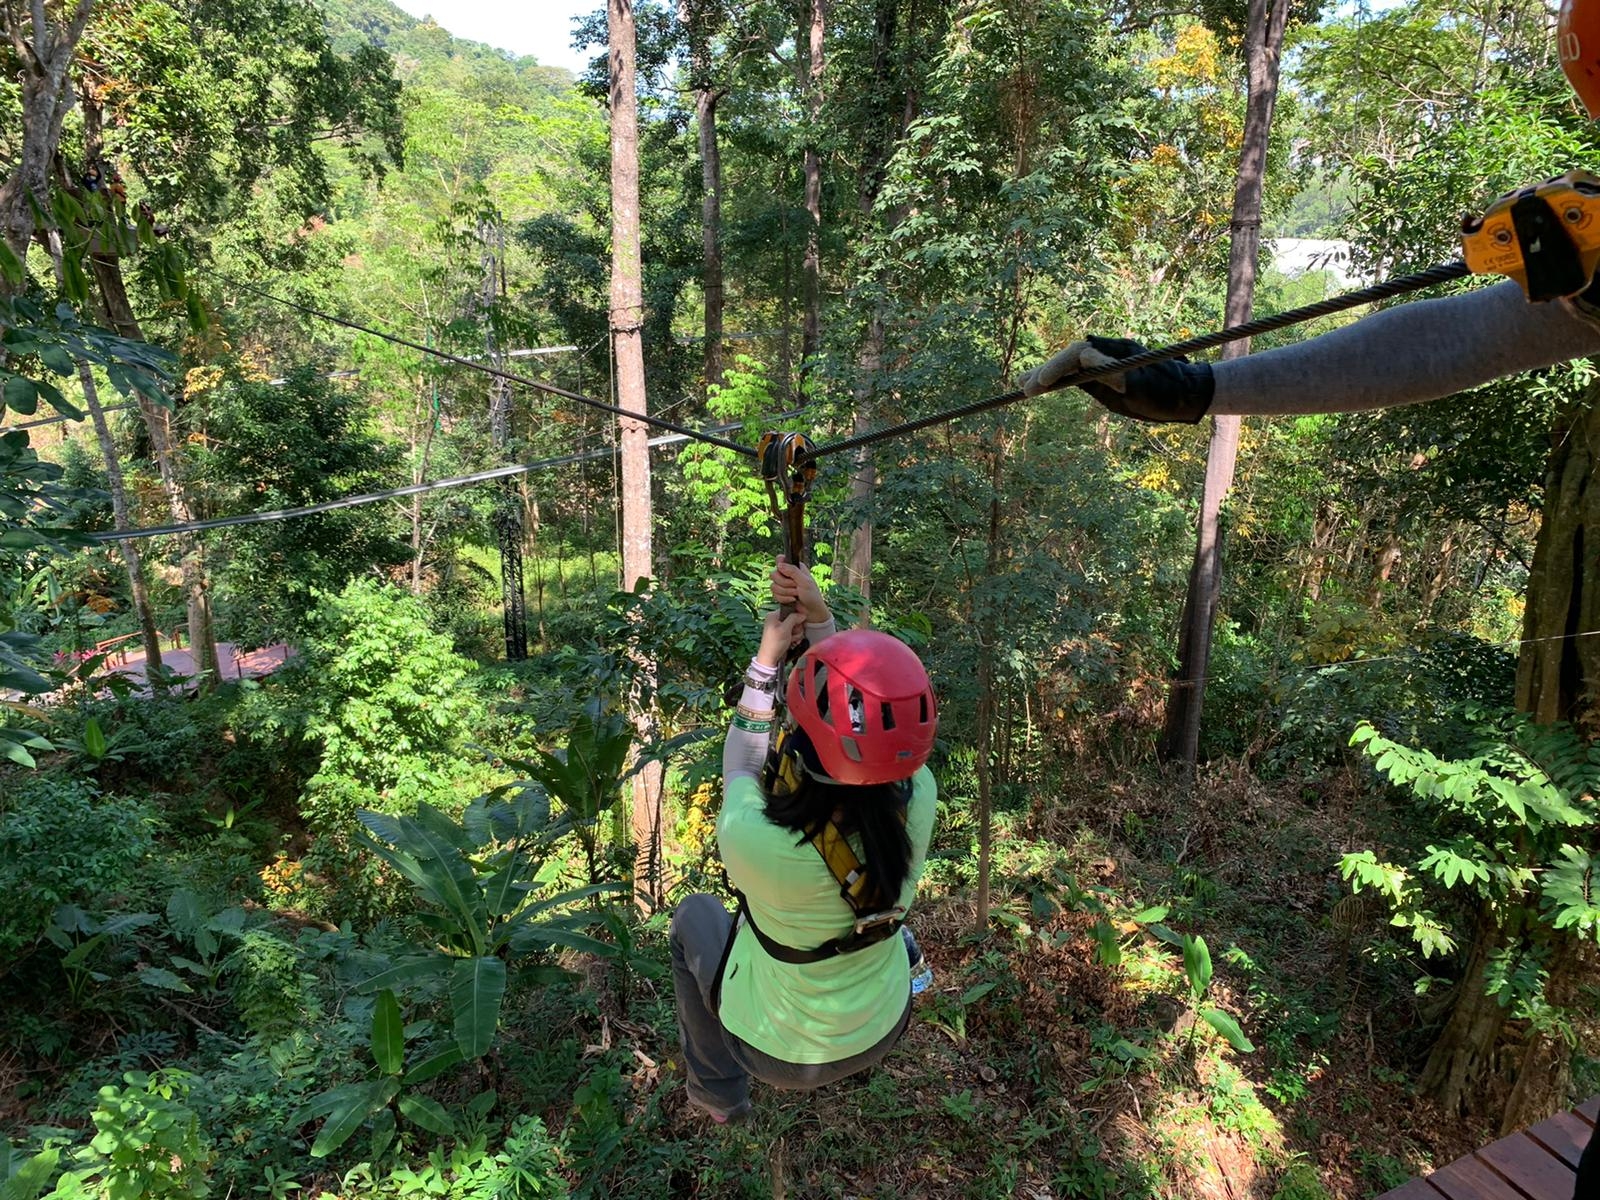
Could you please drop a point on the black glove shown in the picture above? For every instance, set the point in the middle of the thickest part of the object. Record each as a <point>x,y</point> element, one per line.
<point>1175,390</point>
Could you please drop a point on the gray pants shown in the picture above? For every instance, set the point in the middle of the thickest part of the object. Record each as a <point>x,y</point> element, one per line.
<point>718,1064</point>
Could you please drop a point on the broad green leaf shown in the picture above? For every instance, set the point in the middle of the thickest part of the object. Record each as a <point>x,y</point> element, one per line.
<point>504,890</point>
<point>327,1102</point>
<point>56,359</point>
<point>10,265</point>
<point>1197,964</point>
<point>388,1037</point>
<point>1109,946</point>
<point>977,992</point>
<point>427,1114</point>
<point>407,972</point>
<point>570,897</point>
<point>1229,1028</point>
<point>19,394</point>
<point>476,988</point>
<point>30,1179</point>
<point>441,826</point>
<point>184,912</point>
<point>383,1131</point>
<point>529,938</point>
<point>349,1116</point>
<point>450,879</point>
<point>160,977</point>
<point>436,1064</point>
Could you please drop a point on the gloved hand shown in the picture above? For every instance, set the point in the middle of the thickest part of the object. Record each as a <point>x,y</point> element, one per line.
<point>1175,390</point>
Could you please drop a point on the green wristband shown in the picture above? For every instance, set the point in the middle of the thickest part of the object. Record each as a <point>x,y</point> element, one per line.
<point>749,726</point>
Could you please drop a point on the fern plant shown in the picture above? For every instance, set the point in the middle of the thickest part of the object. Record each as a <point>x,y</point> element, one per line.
<point>1516,825</point>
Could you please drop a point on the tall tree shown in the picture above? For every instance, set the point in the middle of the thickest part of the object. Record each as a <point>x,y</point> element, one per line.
<point>627,341</point>
<point>44,39</point>
<point>1263,46</point>
<point>809,68</point>
<point>700,19</point>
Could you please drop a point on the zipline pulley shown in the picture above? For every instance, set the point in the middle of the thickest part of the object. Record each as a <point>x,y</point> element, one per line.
<point>1546,237</point>
<point>786,464</point>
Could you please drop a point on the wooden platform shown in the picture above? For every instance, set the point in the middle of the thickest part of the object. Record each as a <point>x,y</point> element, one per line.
<point>1535,1164</point>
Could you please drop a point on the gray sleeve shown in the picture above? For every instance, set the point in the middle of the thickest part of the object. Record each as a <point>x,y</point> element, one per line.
<point>1402,355</point>
<point>743,753</point>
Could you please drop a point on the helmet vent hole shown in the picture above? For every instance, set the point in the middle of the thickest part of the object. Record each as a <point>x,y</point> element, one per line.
<point>851,750</point>
<point>923,700</point>
<point>888,717</point>
<point>819,681</point>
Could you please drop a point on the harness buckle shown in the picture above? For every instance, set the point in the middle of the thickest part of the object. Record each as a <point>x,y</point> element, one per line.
<point>874,920</point>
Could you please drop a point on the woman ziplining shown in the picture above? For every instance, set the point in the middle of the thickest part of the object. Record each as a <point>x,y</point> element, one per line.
<point>826,817</point>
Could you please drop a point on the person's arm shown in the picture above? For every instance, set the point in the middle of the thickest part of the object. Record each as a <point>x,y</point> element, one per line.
<point>1402,355</point>
<point>745,749</point>
<point>1407,354</point>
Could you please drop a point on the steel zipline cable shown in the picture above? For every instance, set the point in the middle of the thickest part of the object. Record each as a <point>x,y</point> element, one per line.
<point>1403,285</point>
<point>508,376</point>
<point>434,485</point>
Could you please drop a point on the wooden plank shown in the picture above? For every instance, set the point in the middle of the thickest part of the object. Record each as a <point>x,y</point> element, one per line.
<point>1590,1110</point>
<point>1564,1135</point>
<point>1414,1189</point>
<point>1469,1179</point>
<point>1531,1169</point>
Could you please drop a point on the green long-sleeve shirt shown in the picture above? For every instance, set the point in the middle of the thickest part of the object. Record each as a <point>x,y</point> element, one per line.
<point>812,1012</point>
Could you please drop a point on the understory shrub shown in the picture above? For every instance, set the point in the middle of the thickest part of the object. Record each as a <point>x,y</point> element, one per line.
<point>62,842</point>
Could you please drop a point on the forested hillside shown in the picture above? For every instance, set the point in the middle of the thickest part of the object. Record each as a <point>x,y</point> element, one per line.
<point>364,674</point>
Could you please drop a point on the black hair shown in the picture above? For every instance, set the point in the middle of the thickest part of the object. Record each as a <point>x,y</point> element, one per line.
<point>869,810</point>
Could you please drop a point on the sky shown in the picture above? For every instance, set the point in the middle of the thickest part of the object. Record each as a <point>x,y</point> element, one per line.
<point>542,28</point>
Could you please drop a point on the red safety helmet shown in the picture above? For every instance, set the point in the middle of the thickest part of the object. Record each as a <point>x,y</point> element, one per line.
<point>864,700</point>
<point>1578,44</point>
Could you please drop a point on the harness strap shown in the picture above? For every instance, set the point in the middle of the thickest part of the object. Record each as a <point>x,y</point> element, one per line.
<point>868,931</point>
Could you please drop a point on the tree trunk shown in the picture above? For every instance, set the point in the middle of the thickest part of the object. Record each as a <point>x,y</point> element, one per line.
<point>627,322</point>
<point>699,19</point>
<point>810,66</point>
<point>895,93</point>
<point>132,561</point>
<point>1180,739</point>
<point>705,107</point>
<point>158,425</point>
<point>44,49</point>
<point>1544,1073</point>
<point>986,620</point>
<point>864,475</point>
<point>149,635</point>
<point>1558,673</point>
<point>1557,676</point>
<point>1461,1055</point>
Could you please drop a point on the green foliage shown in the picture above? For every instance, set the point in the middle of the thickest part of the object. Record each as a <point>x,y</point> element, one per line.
<point>39,345</point>
<point>1197,970</point>
<point>64,843</point>
<point>271,992</point>
<point>383,695</point>
<point>480,878</point>
<point>586,776</point>
<point>286,444</point>
<point>147,1144</point>
<point>1514,825</point>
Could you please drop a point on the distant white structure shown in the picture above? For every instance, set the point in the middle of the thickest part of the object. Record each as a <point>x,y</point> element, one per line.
<point>1296,256</point>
